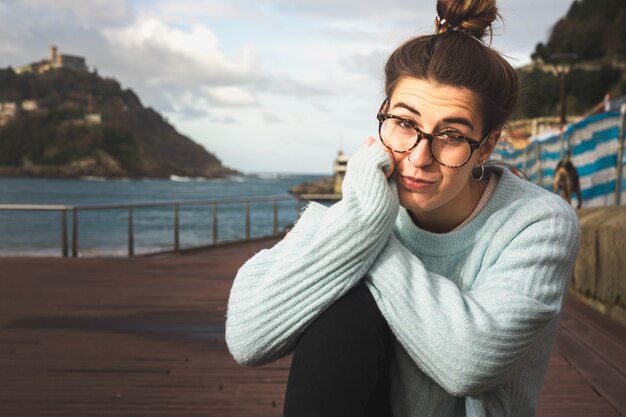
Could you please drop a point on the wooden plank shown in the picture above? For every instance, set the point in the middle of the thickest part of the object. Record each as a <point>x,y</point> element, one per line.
<point>566,392</point>
<point>596,346</point>
<point>606,337</point>
<point>602,375</point>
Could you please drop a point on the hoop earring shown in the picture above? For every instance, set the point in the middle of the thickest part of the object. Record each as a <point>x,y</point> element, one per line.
<point>482,172</point>
<point>409,158</point>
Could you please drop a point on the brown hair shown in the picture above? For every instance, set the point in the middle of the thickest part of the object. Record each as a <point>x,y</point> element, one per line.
<point>456,56</point>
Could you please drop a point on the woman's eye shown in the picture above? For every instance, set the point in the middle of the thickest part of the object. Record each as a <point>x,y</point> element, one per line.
<point>450,136</point>
<point>404,124</point>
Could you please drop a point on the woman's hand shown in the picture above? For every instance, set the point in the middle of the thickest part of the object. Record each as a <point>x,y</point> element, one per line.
<point>370,141</point>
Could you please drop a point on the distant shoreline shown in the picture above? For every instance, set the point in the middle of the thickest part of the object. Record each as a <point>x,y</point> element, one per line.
<point>96,178</point>
<point>237,174</point>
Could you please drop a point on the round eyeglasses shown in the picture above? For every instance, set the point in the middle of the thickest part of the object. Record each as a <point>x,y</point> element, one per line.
<point>448,147</point>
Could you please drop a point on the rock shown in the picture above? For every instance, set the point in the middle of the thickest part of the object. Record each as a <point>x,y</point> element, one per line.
<point>321,186</point>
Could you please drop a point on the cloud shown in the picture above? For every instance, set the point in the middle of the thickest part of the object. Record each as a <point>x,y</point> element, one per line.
<point>187,66</point>
<point>514,38</point>
<point>348,8</point>
<point>87,12</point>
<point>27,28</point>
<point>231,96</point>
<point>371,64</point>
<point>192,10</point>
<point>146,49</point>
<point>286,85</point>
<point>271,117</point>
<point>224,120</point>
<point>347,34</point>
<point>186,105</point>
<point>169,55</point>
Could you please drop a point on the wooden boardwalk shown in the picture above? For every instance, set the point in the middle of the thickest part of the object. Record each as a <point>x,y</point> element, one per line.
<point>145,337</point>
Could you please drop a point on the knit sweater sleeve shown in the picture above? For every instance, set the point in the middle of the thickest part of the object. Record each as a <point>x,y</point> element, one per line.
<point>279,291</point>
<point>469,341</point>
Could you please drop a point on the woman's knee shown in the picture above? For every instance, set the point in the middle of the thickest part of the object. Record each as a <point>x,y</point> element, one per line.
<point>352,322</point>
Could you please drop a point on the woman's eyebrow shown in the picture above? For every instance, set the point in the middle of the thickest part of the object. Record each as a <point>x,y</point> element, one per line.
<point>458,120</point>
<point>406,106</point>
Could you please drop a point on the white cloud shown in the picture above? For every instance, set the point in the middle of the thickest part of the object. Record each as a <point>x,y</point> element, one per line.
<point>231,96</point>
<point>87,12</point>
<point>192,10</point>
<point>350,8</point>
<point>371,63</point>
<point>186,70</point>
<point>286,85</point>
<point>271,117</point>
<point>172,56</point>
<point>223,120</point>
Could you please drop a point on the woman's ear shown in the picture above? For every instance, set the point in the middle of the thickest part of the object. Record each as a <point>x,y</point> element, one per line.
<point>490,144</point>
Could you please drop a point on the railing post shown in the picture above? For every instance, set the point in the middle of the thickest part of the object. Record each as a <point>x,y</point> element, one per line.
<point>247,220</point>
<point>563,141</point>
<point>620,156</point>
<point>526,159</point>
<point>214,226</point>
<point>131,233</point>
<point>275,222</point>
<point>539,166</point>
<point>176,229</point>
<point>64,233</point>
<point>74,232</point>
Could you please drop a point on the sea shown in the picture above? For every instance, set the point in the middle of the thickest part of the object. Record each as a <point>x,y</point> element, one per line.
<point>105,232</point>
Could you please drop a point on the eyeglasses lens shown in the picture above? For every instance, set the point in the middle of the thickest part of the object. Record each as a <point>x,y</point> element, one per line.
<point>447,149</point>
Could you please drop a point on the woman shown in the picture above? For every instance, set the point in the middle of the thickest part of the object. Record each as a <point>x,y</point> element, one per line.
<point>433,288</point>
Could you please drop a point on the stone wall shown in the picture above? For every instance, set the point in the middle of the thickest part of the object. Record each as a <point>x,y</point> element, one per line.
<point>600,273</point>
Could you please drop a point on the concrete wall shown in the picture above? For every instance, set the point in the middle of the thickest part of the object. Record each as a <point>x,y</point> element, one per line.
<point>600,273</point>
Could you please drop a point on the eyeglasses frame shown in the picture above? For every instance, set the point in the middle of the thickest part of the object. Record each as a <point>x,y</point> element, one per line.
<point>382,117</point>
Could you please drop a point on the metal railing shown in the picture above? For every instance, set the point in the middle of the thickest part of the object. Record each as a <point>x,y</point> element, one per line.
<point>176,205</point>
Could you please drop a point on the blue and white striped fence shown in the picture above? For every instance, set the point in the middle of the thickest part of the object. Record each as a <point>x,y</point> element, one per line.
<point>594,143</point>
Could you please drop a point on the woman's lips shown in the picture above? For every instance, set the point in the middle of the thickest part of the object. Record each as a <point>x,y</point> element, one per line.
<point>416,184</point>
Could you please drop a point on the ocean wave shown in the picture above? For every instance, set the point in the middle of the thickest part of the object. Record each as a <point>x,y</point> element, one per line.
<point>93,178</point>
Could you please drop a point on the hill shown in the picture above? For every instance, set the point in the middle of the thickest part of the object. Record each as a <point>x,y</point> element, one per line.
<point>591,29</point>
<point>68,123</point>
<point>595,30</point>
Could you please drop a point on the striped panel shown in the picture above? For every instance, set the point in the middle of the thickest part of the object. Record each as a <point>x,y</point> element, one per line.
<point>594,146</point>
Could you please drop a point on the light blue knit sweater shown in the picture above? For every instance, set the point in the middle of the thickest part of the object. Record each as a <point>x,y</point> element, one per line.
<point>474,311</point>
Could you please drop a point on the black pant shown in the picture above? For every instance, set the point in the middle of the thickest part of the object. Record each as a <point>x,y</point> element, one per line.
<point>341,363</point>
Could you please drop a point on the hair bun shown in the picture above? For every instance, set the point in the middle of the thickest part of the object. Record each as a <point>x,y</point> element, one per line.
<point>471,16</point>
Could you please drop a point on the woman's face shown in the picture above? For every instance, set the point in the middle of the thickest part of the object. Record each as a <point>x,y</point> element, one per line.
<point>438,197</point>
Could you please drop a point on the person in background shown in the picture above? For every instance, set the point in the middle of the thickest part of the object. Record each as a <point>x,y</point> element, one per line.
<point>566,181</point>
<point>433,288</point>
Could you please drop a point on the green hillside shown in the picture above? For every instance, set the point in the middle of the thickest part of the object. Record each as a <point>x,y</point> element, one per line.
<point>74,123</point>
<point>595,30</point>
<point>591,29</point>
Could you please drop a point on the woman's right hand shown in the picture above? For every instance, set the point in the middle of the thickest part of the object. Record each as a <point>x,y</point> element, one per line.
<point>370,141</point>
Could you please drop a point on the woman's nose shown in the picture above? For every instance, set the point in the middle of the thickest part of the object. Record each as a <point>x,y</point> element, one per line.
<point>420,155</point>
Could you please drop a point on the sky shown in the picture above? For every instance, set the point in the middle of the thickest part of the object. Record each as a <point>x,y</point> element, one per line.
<point>265,85</point>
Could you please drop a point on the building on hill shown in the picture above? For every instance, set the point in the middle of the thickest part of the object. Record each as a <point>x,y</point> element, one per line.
<point>30,105</point>
<point>8,111</point>
<point>93,119</point>
<point>55,61</point>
